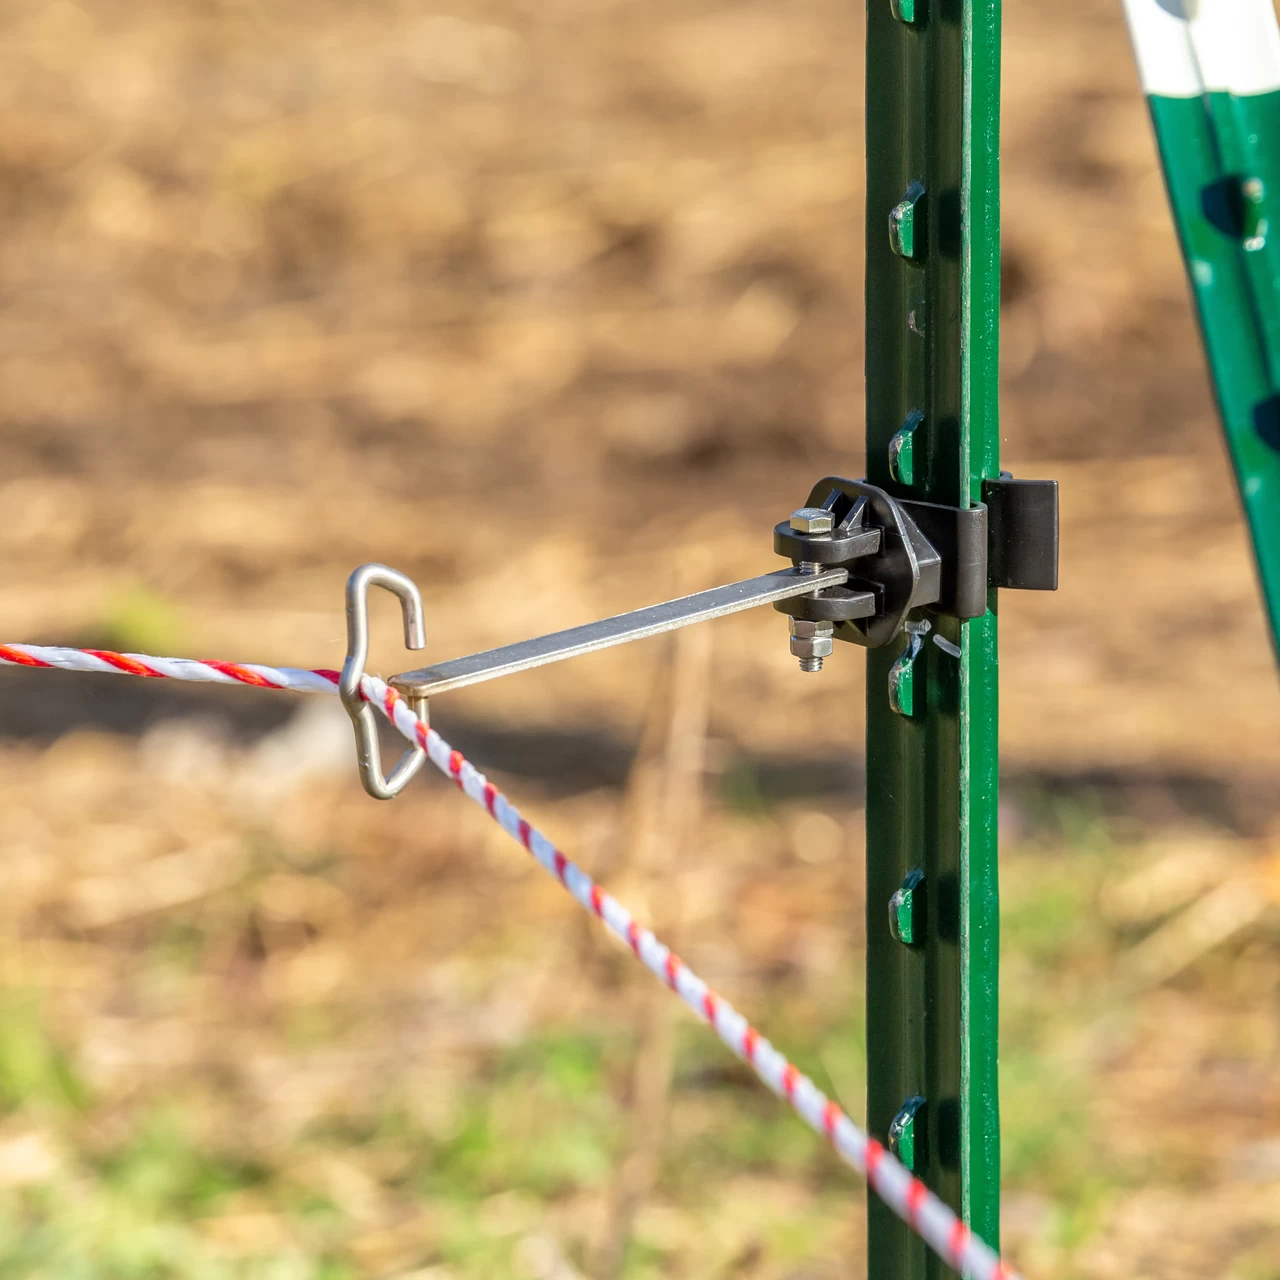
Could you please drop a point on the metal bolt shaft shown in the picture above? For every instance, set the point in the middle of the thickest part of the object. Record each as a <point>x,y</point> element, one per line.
<point>811,521</point>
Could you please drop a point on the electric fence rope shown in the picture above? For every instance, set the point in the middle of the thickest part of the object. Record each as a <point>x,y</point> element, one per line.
<point>905,1194</point>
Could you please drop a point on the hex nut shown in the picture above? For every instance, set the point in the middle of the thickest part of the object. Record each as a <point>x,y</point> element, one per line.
<point>811,639</point>
<point>812,520</point>
<point>803,629</point>
<point>819,647</point>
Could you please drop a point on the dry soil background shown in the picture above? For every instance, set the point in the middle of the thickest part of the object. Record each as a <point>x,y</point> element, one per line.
<point>557,307</point>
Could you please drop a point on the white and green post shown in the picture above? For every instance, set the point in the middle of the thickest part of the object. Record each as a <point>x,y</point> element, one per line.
<point>1211,73</point>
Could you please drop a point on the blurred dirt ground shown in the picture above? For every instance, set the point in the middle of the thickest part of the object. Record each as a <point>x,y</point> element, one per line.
<point>557,306</point>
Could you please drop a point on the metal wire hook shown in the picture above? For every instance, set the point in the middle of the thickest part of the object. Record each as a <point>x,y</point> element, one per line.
<point>368,756</point>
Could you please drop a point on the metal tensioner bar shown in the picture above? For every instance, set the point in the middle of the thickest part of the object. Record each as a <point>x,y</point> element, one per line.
<point>457,673</point>
<point>862,561</point>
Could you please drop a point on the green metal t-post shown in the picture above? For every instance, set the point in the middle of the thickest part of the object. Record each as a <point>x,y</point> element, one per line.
<point>932,362</point>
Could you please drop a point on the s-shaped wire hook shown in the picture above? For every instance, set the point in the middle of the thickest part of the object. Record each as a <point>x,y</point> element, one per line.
<point>368,756</point>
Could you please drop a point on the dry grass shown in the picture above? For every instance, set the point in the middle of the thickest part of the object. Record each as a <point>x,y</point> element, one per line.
<point>519,297</point>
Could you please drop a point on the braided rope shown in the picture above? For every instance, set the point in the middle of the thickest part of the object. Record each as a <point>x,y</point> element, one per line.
<point>137,664</point>
<point>905,1194</point>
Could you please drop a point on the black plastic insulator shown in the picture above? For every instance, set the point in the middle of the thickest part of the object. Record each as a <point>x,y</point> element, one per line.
<point>836,548</point>
<point>835,604</point>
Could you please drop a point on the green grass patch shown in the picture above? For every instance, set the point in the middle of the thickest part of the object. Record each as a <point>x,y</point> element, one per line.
<point>33,1069</point>
<point>1048,909</point>
<point>545,1122</point>
<point>138,620</point>
<point>742,791</point>
<point>161,1170</point>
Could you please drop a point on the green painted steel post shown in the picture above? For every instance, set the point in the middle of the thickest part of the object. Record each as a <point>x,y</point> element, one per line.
<point>1212,77</point>
<point>932,307</point>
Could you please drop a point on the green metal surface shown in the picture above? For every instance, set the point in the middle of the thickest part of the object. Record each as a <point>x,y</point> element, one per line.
<point>906,232</point>
<point>902,677</point>
<point>906,910</point>
<point>905,10</point>
<point>1221,156</point>
<point>933,92</point>
<point>907,1133</point>
<point>902,451</point>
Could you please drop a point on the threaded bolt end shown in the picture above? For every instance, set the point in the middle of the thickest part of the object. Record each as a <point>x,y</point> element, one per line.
<point>810,664</point>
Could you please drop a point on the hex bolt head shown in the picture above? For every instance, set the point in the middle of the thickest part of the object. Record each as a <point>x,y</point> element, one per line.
<point>811,642</point>
<point>812,520</point>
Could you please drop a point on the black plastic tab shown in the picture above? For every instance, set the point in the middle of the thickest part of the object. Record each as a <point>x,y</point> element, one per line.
<point>959,535</point>
<point>1023,523</point>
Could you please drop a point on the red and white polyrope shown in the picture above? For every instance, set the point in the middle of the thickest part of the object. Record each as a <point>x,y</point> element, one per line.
<point>137,664</point>
<point>906,1195</point>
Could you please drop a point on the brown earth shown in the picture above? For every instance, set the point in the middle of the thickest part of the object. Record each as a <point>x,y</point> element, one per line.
<point>557,307</point>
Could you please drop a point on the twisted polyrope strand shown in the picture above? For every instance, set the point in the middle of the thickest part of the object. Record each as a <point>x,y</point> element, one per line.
<point>137,664</point>
<point>906,1195</point>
